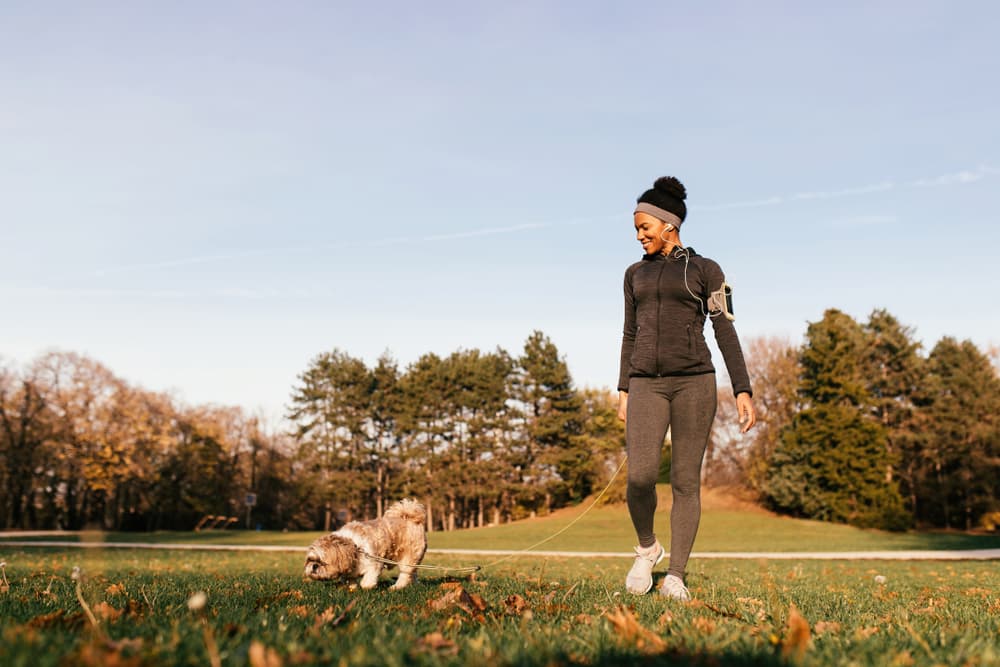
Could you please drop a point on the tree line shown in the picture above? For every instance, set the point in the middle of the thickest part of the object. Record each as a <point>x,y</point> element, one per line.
<point>856,425</point>
<point>478,437</point>
<point>859,426</point>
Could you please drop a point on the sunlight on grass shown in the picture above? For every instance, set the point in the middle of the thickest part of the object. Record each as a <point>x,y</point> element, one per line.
<point>608,529</point>
<point>176,608</point>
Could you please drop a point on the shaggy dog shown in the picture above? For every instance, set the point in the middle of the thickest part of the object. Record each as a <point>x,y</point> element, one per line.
<point>398,536</point>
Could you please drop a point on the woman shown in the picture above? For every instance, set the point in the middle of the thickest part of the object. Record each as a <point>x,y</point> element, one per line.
<point>667,380</point>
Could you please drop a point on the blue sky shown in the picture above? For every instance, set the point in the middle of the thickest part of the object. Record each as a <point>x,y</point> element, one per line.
<point>204,196</point>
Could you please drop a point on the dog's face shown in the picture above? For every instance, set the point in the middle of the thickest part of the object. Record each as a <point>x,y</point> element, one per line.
<point>331,557</point>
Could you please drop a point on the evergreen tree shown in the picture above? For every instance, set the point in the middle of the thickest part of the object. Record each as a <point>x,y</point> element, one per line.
<point>830,462</point>
<point>554,461</point>
<point>958,480</point>
<point>329,409</point>
<point>452,417</point>
<point>383,439</point>
<point>896,372</point>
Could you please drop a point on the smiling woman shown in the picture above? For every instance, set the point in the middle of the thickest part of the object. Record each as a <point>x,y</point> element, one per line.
<point>667,380</point>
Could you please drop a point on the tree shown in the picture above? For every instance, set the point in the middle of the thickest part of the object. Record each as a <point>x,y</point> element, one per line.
<point>454,416</point>
<point>603,436</point>
<point>742,459</point>
<point>199,475</point>
<point>896,372</point>
<point>553,460</point>
<point>329,409</point>
<point>91,447</point>
<point>383,397</point>
<point>24,428</point>
<point>830,461</point>
<point>957,478</point>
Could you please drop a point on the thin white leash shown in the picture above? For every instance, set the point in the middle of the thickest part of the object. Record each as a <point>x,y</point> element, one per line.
<point>476,568</point>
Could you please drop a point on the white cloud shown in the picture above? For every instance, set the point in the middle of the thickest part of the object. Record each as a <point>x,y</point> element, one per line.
<point>957,178</point>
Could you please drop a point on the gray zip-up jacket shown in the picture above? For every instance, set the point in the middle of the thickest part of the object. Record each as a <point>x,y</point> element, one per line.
<point>664,331</point>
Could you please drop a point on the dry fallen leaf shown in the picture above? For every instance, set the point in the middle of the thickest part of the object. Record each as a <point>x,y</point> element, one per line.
<point>330,617</point>
<point>515,605</point>
<point>704,625</point>
<point>115,589</point>
<point>263,656</point>
<point>106,612</point>
<point>457,597</point>
<point>628,628</point>
<point>478,602</point>
<point>109,653</point>
<point>902,659</point>
<point>435,642</point>
<point>796,639</point>
<point>299,610</point>
<point>824,627</point>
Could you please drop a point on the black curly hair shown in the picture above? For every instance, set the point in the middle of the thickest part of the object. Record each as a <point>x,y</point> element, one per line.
<point>667,193</point>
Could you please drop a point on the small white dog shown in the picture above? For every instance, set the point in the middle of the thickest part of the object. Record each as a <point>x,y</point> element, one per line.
<point>399,536</point>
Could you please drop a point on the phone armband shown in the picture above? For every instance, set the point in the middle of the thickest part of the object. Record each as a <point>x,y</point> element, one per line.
<point>721,302</point>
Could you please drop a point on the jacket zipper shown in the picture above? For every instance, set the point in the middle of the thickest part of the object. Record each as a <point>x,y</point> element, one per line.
<point>659,303</point>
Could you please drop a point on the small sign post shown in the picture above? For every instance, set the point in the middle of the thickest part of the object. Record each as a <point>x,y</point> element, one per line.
<point>250,501</point>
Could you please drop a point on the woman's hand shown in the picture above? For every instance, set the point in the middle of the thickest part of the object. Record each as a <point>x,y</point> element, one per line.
<point>622,404</point>
<point>744,407</point>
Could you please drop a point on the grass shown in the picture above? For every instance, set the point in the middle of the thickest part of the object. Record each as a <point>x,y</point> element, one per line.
<point>726,526</point>
<point>528,611</point>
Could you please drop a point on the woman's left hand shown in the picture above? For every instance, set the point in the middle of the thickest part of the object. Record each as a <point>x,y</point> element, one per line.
<point>744,407</point>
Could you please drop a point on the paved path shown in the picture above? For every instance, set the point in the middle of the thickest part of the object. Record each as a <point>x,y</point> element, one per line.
<point>970,554</point>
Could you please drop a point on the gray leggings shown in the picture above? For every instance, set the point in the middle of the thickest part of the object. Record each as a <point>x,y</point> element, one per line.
<point>687,405</point>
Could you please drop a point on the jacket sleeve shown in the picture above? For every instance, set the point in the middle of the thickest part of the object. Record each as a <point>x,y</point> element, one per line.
<point>628,333</point>
<point>725,334</point>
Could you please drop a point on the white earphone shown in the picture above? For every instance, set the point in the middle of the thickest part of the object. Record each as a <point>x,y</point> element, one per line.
<point>668,227</point>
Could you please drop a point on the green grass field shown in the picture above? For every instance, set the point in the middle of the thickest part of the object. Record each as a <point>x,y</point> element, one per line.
<point>528,610</point>
<point>607,528</point>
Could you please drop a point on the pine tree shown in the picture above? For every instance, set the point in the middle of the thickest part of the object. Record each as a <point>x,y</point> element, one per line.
<point>896,372</point>
<point>383,438</point>
<point>329,409</point>
<point>958,481</point>
<point>831,460</point>
<point>451,420</point>
<point>554,461</point>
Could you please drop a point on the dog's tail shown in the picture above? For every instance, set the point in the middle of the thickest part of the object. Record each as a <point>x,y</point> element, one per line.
<point>409,510</point>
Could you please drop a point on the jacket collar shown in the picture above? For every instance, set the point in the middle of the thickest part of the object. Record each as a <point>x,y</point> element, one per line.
<point>674,255</point>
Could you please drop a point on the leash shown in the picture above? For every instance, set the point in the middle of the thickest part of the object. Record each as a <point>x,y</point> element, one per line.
<point>387,561</point>
<point>476,568</point>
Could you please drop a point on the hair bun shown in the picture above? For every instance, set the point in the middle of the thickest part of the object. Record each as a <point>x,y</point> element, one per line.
<point>670,186</point>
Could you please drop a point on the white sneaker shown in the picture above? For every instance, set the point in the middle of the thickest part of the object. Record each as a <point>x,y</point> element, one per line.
<point>673,587</point>
<point>640,577</point>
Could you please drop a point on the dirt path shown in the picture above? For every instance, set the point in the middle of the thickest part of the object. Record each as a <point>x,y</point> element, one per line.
<point>969,554</point>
